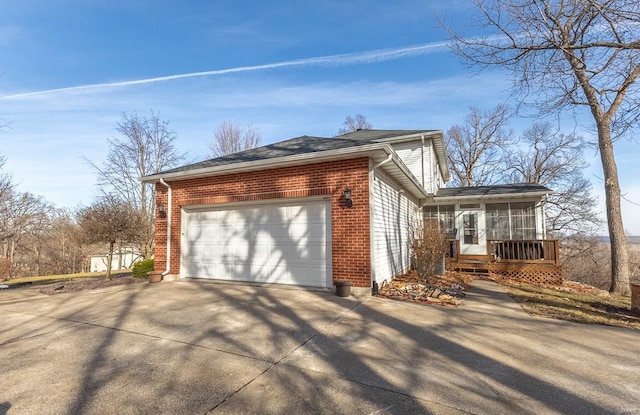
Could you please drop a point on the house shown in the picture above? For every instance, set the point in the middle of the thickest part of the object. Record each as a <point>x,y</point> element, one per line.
<point>311,210</point>
<point>122,258</point>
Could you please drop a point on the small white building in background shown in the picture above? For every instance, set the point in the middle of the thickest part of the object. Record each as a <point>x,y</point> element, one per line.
<point>129,254</point>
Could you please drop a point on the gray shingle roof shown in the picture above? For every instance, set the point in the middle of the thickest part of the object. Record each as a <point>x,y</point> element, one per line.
<point>299,145</point>
<point>496,190</point>
<point>380,134</point>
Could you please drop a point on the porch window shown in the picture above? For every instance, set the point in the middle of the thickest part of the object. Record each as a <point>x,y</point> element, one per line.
<point>498,221</point>
<point>523,221</point>
<point>446,217</point>
<point>511,220</point>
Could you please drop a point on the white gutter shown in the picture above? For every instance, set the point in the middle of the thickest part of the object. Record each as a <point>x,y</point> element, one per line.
<point>168,259</point>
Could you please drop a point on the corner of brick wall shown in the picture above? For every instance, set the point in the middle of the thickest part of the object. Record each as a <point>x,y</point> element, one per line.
<point>351,258</point>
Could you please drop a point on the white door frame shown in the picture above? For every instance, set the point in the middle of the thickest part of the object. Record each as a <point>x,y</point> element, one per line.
<point>477,233</point>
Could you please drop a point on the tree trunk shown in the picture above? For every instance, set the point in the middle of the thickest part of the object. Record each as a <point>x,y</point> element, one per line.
<point>617,238</point>
<point>120,255</point>
<point>12,251</point>
<point>110,259</point>
<point>38,256</point>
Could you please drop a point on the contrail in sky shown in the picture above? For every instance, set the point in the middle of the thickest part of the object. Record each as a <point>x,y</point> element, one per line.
<point>372,56</point>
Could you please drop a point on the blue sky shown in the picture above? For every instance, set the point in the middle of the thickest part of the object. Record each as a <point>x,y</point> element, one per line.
<point>69,68</point>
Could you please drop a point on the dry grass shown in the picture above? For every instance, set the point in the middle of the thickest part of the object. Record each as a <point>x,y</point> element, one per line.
<point>575,302</point>
<point>46,279</point>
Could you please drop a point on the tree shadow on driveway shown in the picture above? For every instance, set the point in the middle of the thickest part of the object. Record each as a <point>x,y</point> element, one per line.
<point>190,347</point>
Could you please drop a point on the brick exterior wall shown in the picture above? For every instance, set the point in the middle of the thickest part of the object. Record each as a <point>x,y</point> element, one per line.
<point>351,253</point>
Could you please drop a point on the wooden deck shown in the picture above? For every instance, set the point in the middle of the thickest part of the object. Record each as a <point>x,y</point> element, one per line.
<point>532,261</point>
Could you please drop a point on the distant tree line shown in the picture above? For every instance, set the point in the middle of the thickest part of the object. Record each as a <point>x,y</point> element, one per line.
<point>36,238</point>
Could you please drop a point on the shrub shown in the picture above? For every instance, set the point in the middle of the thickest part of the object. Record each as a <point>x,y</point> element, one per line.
<point>141,268</point>
<point>428,246</point>
<point>5,268</point>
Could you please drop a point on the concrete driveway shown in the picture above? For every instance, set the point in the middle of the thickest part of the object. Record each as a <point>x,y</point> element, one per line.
<point>197,348</point>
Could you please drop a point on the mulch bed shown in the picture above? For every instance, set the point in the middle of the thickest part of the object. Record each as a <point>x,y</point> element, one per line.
<point>446,290</point>
<point>83,284</point>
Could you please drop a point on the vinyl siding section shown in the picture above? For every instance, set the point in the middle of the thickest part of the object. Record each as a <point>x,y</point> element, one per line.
<point>394,214</point>
<point>422,162</point>
<point>410,152</point>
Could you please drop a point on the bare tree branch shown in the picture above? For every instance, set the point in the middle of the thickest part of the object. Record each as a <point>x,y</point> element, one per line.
<point>555,160</point>
<point>145,146</point>
<point>231,137</point>
<point>354,123</point>
<point>475,148</point>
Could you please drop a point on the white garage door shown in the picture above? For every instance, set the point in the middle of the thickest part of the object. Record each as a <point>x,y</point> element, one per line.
<point>275,243</point>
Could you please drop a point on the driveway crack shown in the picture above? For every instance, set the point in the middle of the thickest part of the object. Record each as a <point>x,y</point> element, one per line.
<point>279,361</point>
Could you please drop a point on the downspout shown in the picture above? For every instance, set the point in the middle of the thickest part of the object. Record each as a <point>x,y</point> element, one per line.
<point>385,161</point>
<point>422,159</point>
<point>168,261</point>
<point>544,217</point>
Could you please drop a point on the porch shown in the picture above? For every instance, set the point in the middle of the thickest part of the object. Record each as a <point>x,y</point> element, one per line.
<point>527,260</point>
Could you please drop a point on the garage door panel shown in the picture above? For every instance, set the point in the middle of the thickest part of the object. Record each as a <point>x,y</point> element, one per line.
<point>317,252</point>
<point>278,231</point>
<point>271,243</point>
<point>298,231</point>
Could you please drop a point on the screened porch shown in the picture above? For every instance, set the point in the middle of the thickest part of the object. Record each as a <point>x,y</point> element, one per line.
<point>499,238</point>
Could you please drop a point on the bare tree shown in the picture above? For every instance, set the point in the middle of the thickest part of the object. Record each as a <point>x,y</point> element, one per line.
<point>475,147</point>
<point>110,220</point>
<point>565,54</point>
<point>61,246</point>
<point>22,215</point>
<point>6,183</point>
<point>550,158</point>
<point>355,123</point>
<point>145,146</point>
<point>231,137</point>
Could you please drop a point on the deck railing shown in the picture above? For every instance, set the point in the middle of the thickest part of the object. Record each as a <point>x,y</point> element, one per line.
<point>453,250</point>
<point>536,250</point>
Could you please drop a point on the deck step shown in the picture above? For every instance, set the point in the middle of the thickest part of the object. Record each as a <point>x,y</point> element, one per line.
<point>473,267</point>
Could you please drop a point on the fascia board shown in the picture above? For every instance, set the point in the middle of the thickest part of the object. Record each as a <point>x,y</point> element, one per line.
<point>441,154</point>
<point>409,137</point>
<point>531,195</point>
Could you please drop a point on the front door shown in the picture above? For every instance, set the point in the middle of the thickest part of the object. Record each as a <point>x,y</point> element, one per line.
<point>472,237</point>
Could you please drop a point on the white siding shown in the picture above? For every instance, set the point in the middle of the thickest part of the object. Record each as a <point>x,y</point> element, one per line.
<point>393,216</point>
<point>129,257</point>
<point>422,162</point>
<point>410,152</point>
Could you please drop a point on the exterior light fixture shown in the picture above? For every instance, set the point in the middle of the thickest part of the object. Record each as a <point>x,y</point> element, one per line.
<point>161,211</point>
<point>347,197</point>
